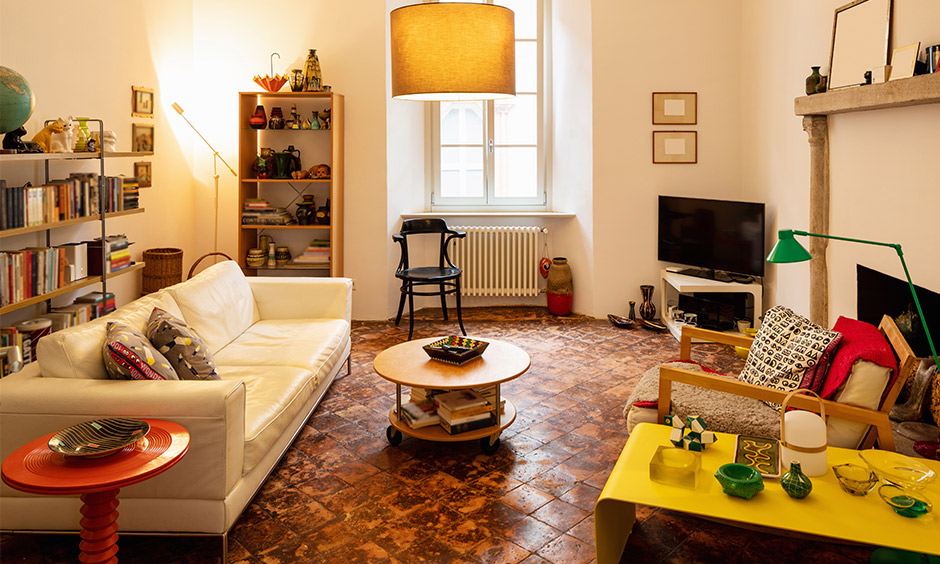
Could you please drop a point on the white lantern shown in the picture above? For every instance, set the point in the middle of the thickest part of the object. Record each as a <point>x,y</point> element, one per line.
<point>803,438</point>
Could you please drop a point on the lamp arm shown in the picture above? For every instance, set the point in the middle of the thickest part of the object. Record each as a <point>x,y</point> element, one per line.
<point>214,152</point>
<point>910,283</point>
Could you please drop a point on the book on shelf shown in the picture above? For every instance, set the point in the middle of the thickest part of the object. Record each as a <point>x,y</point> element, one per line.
<point>488,420</point>
<point>113,254</point>
<point>30,272</point>
<point>420,414</point>
<point>76,255</point>
<point>79,312</point>
<point>424,394</point>
<point>477,409</point>
<point>101,303</point>
<point>457,400</point>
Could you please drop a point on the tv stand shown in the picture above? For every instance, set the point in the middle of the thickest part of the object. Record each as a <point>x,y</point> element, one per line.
<point>716,275</point>
<point>674,283</point>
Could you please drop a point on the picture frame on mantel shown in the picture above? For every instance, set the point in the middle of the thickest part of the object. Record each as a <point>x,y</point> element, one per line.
<point>675,147</point>
<point>675,108</point>
<point>903,60</point>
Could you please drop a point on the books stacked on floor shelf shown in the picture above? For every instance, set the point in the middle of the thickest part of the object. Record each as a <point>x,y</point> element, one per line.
<point>420,414</point>
<point>464,410</point>
<point>317,253</point>
<point>256,211</point>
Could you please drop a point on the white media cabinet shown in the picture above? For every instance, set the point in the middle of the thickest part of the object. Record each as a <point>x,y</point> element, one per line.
<point>672,284</point>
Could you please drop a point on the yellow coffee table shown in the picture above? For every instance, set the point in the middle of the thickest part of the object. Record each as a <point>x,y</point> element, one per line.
<point>827,511</point>
<point>407,364</point>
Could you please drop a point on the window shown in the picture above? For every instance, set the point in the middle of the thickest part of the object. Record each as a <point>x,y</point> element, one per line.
<point>491,155</point>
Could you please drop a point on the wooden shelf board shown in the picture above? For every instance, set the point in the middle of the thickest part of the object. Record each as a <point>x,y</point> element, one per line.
<point>295,226</point>
<point>917,90</point>
<point>65,223</point>
<point>24,157</point>
<point>286,180</point>
<point>288,94</point>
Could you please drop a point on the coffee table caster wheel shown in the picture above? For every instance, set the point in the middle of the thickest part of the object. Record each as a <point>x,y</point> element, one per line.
<point>487,446</point>
<point>393,435</point>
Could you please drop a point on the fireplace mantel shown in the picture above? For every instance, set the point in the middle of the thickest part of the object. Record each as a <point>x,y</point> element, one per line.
<point>815,109</point>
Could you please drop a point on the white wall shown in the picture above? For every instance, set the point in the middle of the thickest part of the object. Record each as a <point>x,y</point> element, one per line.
<point>884,187</point>
<point>640,48</point>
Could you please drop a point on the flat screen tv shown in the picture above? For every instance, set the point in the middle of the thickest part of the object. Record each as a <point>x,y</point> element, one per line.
<point>722,238</point>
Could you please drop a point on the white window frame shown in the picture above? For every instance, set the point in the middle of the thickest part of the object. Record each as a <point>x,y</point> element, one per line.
<point>487,203</point>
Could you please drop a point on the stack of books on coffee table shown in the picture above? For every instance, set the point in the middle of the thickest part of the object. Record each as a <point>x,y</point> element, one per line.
<point>464,410</point>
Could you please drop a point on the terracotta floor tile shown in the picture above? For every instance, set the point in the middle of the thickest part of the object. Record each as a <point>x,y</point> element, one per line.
<point>582,496</point>
<point>499,551</point>
<point>530,533</point>
<point>567,550</point>
<point>560,514</point>
<point>526,498</point>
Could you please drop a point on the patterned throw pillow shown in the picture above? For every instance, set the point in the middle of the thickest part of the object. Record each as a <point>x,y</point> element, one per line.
<point>129,355</point>
<point>789,352</point>
<point>182,346</point>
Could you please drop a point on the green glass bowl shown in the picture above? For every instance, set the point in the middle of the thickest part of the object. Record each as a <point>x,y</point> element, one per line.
<point>739,480</point>
<point>905,502</point>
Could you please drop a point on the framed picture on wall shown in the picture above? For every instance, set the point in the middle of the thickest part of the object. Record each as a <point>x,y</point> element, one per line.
<point>675,147</point>
<point>141,138</point>
<point>675,108</point>
<point>142,102</point>
<point>143,171</point>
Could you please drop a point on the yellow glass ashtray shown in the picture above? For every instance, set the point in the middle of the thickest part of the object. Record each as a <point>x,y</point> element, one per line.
<point>675,466</point>
<point>855,479</point>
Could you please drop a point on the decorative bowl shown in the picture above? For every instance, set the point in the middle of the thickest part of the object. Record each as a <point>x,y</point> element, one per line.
<point>750,331</point>
<point>904,502</point>
<point>98,437</point>
<point>742,352</point>
<point>898,469</point>
<point>270,83</point>
<point>455,350</point>
<point>620,321</point>
<point>739,480</point>
<point>855,479</point>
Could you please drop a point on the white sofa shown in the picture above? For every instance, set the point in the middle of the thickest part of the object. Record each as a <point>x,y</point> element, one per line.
<point>278,344</point>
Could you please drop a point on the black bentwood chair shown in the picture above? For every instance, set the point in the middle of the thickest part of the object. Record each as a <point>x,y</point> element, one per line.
<point>446,276</point>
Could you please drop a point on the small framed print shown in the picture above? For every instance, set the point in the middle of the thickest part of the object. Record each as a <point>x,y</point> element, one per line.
<point>141,138</point>
<point>142,102</point>
<point>903,60</point>
<point>142,171</point>
<point>675,147</point>
<point>675,108</point>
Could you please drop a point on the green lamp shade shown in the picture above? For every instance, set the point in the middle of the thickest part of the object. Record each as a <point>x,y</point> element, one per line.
<point>788,249</point>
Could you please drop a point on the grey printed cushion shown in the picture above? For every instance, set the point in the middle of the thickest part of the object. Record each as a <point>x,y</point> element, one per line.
<point>182,346</point>
<point>128,355</point>
<point>789,352</point>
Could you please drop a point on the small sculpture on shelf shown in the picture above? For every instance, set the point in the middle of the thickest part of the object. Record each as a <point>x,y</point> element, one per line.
<point>306,210</point>
<point>13,141</point>
<point>320,171</point>
<point>323,213</point>
<point>324,117</point>
<point>44,137</point>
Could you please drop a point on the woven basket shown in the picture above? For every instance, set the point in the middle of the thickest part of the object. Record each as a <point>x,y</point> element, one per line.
<point>162,268</point>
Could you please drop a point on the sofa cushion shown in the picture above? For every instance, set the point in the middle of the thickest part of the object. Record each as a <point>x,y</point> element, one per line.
<point>129,355</point>
<point>312,344</point>
<point>789,352</point>
<point>76,352</point>
<point>217,304</point>
<point>181,346</point>
<point>274,396</point>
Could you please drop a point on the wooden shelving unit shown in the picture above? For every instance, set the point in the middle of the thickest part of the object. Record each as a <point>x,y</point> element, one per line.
<point>102,218</point>
<point>316,146</point>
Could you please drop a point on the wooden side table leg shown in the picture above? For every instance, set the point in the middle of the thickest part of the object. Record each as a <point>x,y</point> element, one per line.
<point>99,528</point>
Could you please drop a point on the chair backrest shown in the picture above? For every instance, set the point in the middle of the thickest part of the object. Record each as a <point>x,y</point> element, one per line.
<point>425,226</point>
<point>907,360</point>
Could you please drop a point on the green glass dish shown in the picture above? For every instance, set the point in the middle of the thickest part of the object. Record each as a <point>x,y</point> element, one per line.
<point>739,480</point>
<point>904,502</point>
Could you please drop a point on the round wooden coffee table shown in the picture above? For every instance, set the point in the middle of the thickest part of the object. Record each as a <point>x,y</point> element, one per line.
<point>407,364</point>
<point>34,468</point>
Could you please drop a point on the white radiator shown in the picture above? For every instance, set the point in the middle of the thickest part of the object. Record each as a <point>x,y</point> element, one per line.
<point>498,260</point>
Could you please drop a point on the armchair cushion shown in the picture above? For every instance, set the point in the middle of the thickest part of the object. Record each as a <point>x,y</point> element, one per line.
<point>860,342</point>
<point>789,352</point>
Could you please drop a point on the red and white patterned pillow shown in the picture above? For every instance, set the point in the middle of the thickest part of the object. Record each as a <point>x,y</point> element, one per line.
<point>129,355</point>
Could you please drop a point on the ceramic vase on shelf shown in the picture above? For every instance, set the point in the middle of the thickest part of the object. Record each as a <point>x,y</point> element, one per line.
<point>312,76</point>
<point>821,87</point>
<point>277,118</point>
<point>795,482</point>
<point>632,315</point>
<point>812,80</point>
<point>559,290</point>
<point>81,137</point>
<point>297,80</point>
<point>647,309</point>
<point>306,210</point>
<point>323,213</point>
<point>258,120</point>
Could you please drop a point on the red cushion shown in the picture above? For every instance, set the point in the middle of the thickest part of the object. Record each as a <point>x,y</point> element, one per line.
<point>860,341</point>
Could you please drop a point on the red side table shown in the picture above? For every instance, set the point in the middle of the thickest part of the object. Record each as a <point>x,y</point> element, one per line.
<point>34,468</point>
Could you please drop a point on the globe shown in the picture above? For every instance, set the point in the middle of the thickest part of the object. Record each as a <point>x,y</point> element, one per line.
<point>16,100</point>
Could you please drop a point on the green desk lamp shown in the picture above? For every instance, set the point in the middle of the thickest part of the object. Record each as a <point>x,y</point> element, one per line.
<point>788,249</point>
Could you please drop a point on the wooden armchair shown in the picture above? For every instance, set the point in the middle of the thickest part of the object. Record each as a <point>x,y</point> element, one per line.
<point>880,427</point>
